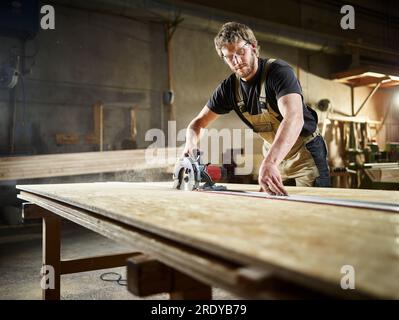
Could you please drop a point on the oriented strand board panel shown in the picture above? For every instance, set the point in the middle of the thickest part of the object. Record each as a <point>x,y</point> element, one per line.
<point>307,243</point>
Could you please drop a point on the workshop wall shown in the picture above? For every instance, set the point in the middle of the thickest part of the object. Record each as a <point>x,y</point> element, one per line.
<point>375,21</point>
<point>89,57</point>
<point>122,62</point>
<point>5,114</point>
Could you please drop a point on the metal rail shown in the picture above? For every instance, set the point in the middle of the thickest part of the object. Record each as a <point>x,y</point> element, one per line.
<point>381,206</point>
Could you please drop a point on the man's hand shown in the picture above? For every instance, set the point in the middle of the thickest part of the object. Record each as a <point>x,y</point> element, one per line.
<point>188,148</point>
<point>270,179</point>
<point>201,121</point>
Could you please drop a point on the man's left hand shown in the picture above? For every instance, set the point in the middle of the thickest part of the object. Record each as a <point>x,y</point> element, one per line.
<point>270,179</point>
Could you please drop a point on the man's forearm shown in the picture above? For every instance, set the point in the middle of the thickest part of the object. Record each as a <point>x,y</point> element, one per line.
<point>192,134</point>
<point>286,136</point>
<point>203,119</point>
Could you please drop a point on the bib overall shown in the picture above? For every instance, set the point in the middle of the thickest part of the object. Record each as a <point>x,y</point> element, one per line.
<point>306,162</point>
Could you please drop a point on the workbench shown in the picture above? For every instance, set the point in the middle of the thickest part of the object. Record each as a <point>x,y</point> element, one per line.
<point>255,248</point>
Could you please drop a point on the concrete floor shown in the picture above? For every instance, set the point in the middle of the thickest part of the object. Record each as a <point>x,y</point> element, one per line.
<point>20,263</point>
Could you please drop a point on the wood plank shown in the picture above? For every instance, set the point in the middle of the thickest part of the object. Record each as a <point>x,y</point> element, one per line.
<point>357,119</point>
<point>55,165</point>
<point>296,241</point>
<point>94,263</point>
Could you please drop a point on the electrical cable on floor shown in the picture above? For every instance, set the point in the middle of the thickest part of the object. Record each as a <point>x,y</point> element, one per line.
<point>113,277</point>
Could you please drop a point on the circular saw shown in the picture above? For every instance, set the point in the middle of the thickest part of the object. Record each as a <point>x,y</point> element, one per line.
<point>190,172</point>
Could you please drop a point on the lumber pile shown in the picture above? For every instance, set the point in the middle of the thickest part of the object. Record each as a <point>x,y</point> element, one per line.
<point>67,164</point>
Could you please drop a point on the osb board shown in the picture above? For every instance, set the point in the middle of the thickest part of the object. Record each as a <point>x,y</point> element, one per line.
<point>301,240</point>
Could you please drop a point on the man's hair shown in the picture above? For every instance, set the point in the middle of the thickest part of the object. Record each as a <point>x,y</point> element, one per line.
<point>233,32</point>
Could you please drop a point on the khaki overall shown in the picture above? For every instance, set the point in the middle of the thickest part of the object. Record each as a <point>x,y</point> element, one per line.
<point>299,163</point>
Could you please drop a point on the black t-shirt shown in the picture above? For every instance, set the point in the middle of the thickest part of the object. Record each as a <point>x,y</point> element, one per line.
<point>280,81</point>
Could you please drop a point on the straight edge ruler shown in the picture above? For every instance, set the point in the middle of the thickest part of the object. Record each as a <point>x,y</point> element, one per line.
<point>381,206</point>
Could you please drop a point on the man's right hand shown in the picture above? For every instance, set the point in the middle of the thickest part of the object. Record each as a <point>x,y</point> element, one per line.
<point>201,121</point>
<point>188,149</point>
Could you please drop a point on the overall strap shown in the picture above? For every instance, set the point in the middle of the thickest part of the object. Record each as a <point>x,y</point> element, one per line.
<point>238,95</point>
<point>240,106</point>
<point>262,92</point>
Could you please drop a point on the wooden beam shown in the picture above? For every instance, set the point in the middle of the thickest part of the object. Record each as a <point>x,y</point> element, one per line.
<point>98,111</point>
<point>97,136</point>
<point>133,124</point>
<point>188,288</point>
<point>62,139</point>
<point>147,276</point>
<point>30,211</point>
<point>51,257</point>
<point>94,263</point>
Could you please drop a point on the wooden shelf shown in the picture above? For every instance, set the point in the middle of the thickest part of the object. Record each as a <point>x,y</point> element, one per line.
<point>368,76</point>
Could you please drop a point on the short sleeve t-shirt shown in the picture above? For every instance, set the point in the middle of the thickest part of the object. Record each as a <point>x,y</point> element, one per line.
<point>280,81</point>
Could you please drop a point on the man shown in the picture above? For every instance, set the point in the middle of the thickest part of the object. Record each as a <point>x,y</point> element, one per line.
<point>267,96</point>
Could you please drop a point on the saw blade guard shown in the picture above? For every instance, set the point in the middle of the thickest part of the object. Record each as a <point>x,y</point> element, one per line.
<point>187,174</point>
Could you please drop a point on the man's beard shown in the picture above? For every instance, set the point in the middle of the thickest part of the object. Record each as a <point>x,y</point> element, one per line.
<point>246,69</point>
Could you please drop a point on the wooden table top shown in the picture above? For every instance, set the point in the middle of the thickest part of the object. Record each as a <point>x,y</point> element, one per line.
<point>308,242</point>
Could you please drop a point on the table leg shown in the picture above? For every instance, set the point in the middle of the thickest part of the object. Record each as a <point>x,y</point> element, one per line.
<point>51,258</point>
